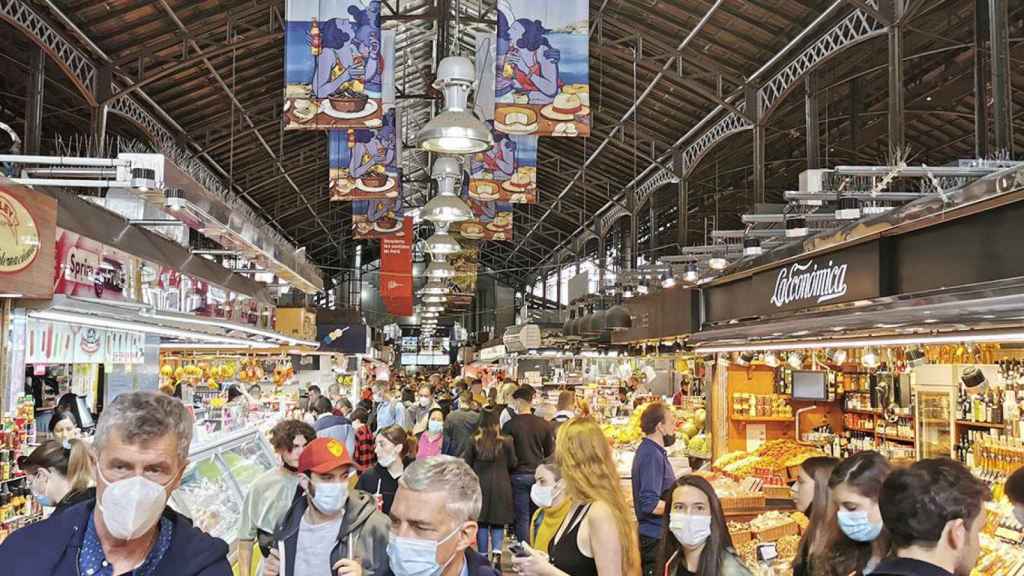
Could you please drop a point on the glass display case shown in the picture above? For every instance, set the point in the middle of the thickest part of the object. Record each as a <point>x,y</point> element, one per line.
<point>934,415</point>
<point>220,472</point>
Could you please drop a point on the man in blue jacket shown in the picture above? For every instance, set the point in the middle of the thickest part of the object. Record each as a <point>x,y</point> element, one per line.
<point>329,425</point>
<point>139,455</point>
<point>652,476</point>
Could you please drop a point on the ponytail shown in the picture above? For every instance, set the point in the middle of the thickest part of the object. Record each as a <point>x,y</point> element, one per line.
<point>79,470</point>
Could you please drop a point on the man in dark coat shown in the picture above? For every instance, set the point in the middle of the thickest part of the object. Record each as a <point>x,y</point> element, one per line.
<point>460,426</point>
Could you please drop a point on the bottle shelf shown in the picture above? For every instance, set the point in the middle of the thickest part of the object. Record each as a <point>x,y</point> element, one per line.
<point>973,424</point>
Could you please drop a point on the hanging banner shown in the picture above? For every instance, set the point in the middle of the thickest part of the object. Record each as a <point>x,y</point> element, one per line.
<point>378,218</point>
<point>508,171</point>
<point>28,221</point>
<point>87,268</point>
<point>542,68</point>
<point>491,220</point>
<point>466,264</point>
<point>396,271</point>
<point>64,343</point>
<point>364,162</point>
<point>334,68</point>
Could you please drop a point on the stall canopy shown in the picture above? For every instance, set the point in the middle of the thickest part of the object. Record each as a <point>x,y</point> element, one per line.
<point>942,264</point>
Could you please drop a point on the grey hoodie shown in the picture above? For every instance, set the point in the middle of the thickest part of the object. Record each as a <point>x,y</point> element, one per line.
<point>369,529</point>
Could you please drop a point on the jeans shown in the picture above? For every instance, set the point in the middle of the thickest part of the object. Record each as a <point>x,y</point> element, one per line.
<point>648,554</point>
<point>489,534</point>
<point>524,508</point>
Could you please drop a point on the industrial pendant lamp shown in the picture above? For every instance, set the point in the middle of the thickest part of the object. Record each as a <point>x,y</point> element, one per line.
<point>455,130</point>
<point>691,274</point>
<point>446,207</point>
<point>434,299</point>
<point>617,318</point>
<point>434,287</point>
<point>442,244</point>
<point>440,270</point>
<point>752,246</point>
<point>796,226</point>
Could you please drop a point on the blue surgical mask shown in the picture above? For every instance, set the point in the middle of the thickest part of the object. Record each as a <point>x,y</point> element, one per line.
<point>857,527</point>
<point>416,557</point>
<point>435,427</point>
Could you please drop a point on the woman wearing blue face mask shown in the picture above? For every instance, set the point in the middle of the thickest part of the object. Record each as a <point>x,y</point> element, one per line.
<point>59,473</point>
<point>431,441</point>
<point>695,540</point>
<point>857,540</point>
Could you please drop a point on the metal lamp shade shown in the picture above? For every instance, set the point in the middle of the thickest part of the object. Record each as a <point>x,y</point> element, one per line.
<point>595,323</point>
<point>446,208</point>
<point>617,318</point>
<point>440,270</point>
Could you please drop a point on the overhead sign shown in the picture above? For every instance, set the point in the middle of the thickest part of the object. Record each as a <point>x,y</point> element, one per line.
<point>343,338</point>
<point>842,276</point>
<point>396,271</point>
<point>87,268</point>
<point>28,222</point>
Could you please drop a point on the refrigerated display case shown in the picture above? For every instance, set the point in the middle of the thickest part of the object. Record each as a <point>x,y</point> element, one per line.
<point>218,477</point>
<point>934,414</point>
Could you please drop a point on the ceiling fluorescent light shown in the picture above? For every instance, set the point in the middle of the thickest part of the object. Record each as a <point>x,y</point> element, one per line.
<point>951,338</point>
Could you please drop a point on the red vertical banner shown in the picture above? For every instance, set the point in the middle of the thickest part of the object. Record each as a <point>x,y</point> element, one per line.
<point>396,271</point>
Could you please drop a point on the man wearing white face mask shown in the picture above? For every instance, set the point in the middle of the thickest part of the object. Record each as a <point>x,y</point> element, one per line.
<point>139,455</point>
<point>433,521</point>
<point>330,528</point>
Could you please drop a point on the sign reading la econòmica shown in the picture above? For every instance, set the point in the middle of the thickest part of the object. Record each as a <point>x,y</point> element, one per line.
<point>807,281</point>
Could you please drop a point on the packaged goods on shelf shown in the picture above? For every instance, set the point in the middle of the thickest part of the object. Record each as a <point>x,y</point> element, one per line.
<point>998,559</point>
<point>759,405</point>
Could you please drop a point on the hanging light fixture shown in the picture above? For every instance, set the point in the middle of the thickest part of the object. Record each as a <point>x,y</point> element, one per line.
<point>442,244</point>
<point>440,270</point>
<point>567,325</point>
<point>718,262</point>
<point>796,226</point>
<point>691,274</point>
<point>752,247</point>
<point>617,318</point>
<point>446,207</point>
<point>668,280</point>
<point>849,208</point>
<point>433,308</point>
<point>435,287</point>
<point>455,130</point>
<point>870,358</point>
<point>434,299</point>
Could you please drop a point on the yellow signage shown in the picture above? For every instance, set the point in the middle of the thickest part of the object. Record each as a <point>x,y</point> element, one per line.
<point>19,237</point>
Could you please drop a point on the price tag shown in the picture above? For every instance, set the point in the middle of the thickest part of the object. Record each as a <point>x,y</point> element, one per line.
<point>767,552</point>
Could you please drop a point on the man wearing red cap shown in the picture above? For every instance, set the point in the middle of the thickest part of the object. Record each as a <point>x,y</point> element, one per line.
<point>330,529</point>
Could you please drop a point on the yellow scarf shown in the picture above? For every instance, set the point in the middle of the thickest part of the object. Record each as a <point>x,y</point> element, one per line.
<point>545,524</point>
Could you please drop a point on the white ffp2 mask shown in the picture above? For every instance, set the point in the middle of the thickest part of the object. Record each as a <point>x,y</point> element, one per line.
<point>690,530</point>
<point>132,506</point>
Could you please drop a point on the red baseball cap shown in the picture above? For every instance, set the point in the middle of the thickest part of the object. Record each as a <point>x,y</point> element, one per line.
<point>323,455</point>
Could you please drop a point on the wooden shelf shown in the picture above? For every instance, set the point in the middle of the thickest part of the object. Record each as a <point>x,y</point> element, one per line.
<point>861,430</point>
<point>868,412</point>
<point>972,424</point>
<point>761,418</point>
<point>896,438</point>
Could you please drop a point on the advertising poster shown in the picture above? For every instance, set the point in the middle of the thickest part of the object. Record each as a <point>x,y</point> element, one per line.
<point>508,171</point>
<point>379,218</point>
<point>396,271</point>
<point>87,268</point>
<point>333,64</point>
<point>542,68</point>
<point>28,221</point>
<point>364,162</point>
<point>343,338</point>
<point>492,220</point>
<point>466,264</point>
<point>64,343</point>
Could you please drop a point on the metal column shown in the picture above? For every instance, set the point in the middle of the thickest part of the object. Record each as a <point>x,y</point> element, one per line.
<point>632,244</point>
<point>855,120</point>
<point>1002,104</point>
<point>981,33</point>
<point>652,242</point>
<point>99,113</point>
<point>811,118</point>
<point>897,135</point>
<point>753,101</point>
<point>34,101</point>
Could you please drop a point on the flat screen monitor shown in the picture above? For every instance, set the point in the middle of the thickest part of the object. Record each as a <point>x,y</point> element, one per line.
<point>810,385</point>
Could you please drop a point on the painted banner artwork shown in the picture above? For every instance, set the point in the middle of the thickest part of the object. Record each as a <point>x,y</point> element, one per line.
<point>364,161</point>
<point>84,267</point>
<point>396,271</point>
<point>378,218</point>
<point>333,64</point>
<point>464,282</point>
<point>542,68</point>
<point>63,343</point>
<point>491,220</point>
<point>508,171</point>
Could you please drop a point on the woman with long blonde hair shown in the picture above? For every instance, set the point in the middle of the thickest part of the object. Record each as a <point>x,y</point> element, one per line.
<point>598,537</point>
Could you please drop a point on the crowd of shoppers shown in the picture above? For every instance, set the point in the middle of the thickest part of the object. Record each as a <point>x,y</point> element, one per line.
<point>431,484</point>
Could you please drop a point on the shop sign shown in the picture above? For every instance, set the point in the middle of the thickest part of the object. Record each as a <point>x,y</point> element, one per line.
<point>27,229</point>
<point>343,338</point>
<point>88,268</point>
<point>492,353</point>
<point>842,276</point>
<point>63,343</point>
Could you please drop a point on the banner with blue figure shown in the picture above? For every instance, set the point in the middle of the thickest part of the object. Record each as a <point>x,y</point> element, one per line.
<point>364,162</point>
<point>491,220</point>
<point>508,171</point>
<point>542,68</point>
<point>379,218</point>
<point>333,66</point>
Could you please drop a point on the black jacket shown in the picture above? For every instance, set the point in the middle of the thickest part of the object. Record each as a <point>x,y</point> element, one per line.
<point>495,482</point>
<point>368,527</point>
<point>459,428</point>
<point>51,547</point>
<point>908,567</point>
<point>477,565</point>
